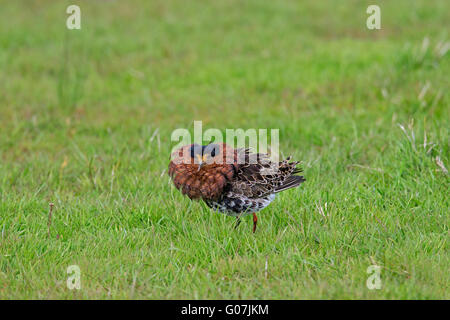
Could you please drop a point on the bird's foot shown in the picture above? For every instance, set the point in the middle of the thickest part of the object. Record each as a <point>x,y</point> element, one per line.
<point>238,222</point>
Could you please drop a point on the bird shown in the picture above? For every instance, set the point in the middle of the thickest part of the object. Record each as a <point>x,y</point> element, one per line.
<point>236,182</point>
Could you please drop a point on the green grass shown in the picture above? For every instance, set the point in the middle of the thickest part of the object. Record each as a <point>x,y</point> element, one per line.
<point>78,116</point>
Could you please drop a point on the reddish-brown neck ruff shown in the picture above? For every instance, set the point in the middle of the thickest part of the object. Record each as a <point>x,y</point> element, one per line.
<point>207,182</point>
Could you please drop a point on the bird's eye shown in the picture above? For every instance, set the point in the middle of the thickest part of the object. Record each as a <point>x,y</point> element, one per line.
<point>212,150</point>
<point>195,149</point>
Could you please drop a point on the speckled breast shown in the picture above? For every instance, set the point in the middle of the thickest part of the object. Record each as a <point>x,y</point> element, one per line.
<point>238,205</point>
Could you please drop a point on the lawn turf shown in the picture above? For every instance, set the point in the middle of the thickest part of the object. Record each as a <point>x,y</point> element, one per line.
<point>86,118</point>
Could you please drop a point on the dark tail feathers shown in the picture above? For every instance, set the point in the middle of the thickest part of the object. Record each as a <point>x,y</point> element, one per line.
<point>290,182</point>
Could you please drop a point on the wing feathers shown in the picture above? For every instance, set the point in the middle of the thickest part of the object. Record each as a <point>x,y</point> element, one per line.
<point>265,177</point>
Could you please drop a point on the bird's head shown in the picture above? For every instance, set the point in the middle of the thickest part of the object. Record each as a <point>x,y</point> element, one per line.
<point>202,171</point>
<point>207,156</point>
<point>204,155</point>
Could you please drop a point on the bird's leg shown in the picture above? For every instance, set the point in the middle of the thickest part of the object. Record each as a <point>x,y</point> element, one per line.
<point>255,220</point>
<point>238,222</point>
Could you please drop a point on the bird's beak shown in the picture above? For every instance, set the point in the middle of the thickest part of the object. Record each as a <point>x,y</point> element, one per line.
<point>201,161</point>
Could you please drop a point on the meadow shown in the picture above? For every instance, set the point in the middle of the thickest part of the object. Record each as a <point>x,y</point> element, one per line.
<point>86,118</point>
